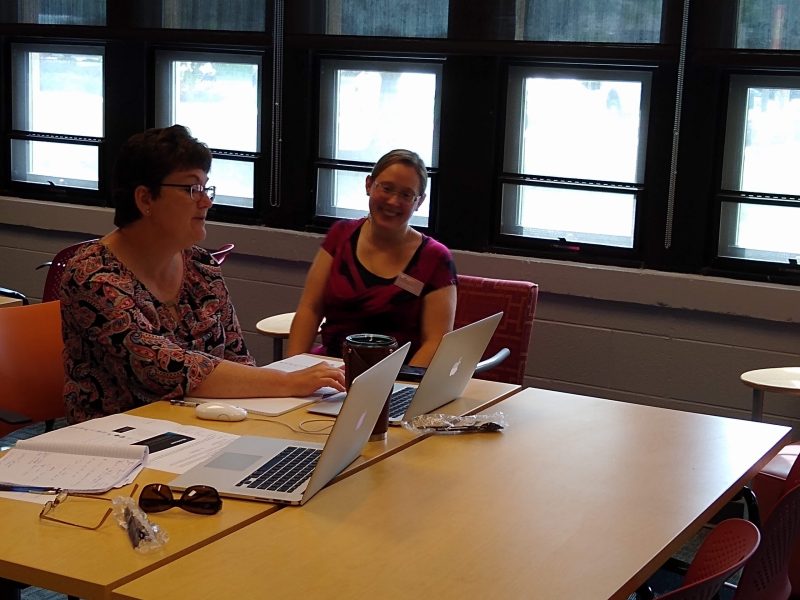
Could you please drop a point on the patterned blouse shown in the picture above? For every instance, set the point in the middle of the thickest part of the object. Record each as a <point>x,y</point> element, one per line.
<point>358,301</point>
<point>124,348</point>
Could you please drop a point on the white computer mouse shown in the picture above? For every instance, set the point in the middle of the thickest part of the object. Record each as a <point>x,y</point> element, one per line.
<point>219,411</point>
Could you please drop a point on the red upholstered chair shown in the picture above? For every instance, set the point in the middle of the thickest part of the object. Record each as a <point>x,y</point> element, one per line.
<point>31,365</point>
<point>55,269</point>
<point>766,575</point>
<point>479,297</point>
<point>724,551</point>
<point>56,266</point>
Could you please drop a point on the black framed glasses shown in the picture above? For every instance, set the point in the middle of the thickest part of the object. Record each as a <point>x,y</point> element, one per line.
<point>196,191</point>
<point>62,496</point>
<point>197,499</point>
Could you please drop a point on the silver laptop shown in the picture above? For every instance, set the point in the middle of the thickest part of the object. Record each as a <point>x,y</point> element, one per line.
<point>291,471</point>
<point>445,378</point>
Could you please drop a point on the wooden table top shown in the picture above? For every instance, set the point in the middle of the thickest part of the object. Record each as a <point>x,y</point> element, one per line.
<point>276,326</point>
<point>577,498</point>
<point>89,564</point>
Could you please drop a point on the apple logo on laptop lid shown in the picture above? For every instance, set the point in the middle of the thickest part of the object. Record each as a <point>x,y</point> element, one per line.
<point>455,366</point>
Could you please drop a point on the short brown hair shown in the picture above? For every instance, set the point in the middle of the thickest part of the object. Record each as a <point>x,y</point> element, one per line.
<point>146,159</point>
<point>406,157</point>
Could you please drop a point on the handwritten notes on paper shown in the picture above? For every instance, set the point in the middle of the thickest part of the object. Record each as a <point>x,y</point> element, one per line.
<point>74,467</point>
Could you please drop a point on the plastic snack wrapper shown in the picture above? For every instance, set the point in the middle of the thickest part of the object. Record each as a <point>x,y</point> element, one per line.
<point>144,535</point>
<point>439,423</point>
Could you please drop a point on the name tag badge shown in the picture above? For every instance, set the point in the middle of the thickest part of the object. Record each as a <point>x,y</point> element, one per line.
<point>409,284</point>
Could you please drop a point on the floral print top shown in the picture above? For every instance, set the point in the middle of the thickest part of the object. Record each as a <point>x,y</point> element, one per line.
<point>124,348</point>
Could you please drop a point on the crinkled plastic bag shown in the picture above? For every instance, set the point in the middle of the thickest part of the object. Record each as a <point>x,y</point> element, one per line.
<point>439,423</point>
<point>145,536</point>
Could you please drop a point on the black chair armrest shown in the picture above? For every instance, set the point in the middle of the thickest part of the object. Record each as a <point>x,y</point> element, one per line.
<point>13,294</point>
<point>13,418</point>
<point>493,361</point>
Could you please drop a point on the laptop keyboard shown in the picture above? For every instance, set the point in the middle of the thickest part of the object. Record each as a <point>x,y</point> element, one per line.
<point>399,401</point>
<point>284,472</point>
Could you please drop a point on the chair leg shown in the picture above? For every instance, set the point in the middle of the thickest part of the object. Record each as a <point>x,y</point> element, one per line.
<point>10,590</point>
<point>277,349</point>
<point>751,502</point>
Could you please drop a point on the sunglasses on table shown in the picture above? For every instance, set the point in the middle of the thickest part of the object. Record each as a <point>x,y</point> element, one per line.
<point>197,499</point>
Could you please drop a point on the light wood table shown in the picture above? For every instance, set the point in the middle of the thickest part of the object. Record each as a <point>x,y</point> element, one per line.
<point>89,564</point>
<point>781,380</point>
<point>8,301</point>
<point>578,498</point>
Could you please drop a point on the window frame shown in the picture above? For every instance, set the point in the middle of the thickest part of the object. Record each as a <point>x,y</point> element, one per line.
<point>19,56</point>
<point>516,241</point>
<point>323,184</point>
<point>163,104</point>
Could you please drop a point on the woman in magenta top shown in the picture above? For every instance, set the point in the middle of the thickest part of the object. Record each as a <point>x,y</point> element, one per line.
<point>146,314</point>
<point>378,274</point>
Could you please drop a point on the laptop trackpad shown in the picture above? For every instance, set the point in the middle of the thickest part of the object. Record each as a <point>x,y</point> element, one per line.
<point>234,461</point>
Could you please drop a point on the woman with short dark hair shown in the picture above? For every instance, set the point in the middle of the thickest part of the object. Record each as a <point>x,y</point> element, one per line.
<point>146,314</point>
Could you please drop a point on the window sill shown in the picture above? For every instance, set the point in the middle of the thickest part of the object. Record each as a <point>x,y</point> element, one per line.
<point>729,297</point>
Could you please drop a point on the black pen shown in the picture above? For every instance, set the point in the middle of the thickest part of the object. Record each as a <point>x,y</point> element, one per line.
<point>183,403</point>
<point>29,489</point>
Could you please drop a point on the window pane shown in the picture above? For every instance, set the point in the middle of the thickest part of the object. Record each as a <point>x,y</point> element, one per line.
<point>768,24</point>
<point>615,21</point>
<point>387,18</point>
<point>762,141</point>
<point>367,109</point>
<point>234,180</point>
<point>771,143</point>
<point>71,165</point>
<point>217,99</point>
<point>49,85</point>
<point>575,215</point>
<point>760,232</point>
<point>581,128</point>
<point>231,15</point>
<point>54,12</point>
<point>375,111</point>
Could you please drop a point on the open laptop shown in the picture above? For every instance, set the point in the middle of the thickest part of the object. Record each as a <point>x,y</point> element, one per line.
<point>255,468</point>
<point>444,380</point>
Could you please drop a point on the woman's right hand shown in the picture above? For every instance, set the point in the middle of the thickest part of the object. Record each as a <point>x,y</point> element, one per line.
<point>305,382</point>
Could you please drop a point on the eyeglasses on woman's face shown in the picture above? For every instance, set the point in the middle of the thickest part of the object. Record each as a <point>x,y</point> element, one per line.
<point>389,189</point>
<point>196,191</point>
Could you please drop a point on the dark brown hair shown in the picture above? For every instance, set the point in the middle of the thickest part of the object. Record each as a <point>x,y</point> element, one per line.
<point>146,159</point>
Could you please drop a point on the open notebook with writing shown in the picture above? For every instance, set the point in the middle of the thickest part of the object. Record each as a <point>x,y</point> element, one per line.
<point>74,467</point>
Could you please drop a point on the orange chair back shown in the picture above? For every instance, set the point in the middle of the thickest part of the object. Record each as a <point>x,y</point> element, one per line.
<point>723,552</point>
<point>479,297</point>
<point>31,362</point>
